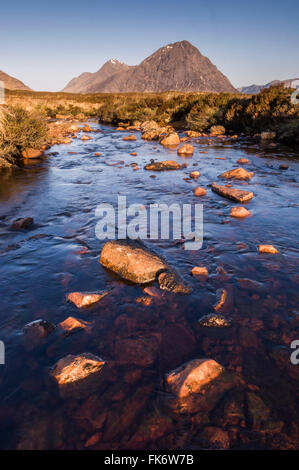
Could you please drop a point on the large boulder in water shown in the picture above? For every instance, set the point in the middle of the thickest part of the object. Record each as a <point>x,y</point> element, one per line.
<point>133,261</point>
<point>197,386</point>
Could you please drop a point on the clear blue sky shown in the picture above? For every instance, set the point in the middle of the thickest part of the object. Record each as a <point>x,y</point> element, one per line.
<point>46,43</point>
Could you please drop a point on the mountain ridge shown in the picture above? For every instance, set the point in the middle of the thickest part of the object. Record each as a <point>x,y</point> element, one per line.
<point>12,83</point>
<point>253,89</point>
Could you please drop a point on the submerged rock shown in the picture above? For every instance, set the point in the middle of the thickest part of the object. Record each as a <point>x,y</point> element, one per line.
<point>267,249</point>
<point>81,299</point>
<point>200,271</point>
<point>197,386</point>
<point>233,194</point>
<point>22,223</point>
<point>162,166</point>
<point>214,320</point>
<point>133,261</point>
<point>78,376</point>
<point>238,174</point>
<point>38,329</point>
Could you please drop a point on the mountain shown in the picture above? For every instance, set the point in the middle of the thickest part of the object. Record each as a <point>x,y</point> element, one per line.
<point>253,89</point>
<point>12,83</point>
<point>178,66</point>
<point>87,80</point>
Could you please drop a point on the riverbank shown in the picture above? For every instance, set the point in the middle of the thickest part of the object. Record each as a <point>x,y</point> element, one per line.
<point>271,111</point>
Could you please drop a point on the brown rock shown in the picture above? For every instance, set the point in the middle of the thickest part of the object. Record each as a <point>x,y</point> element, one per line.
<point>134,154</point>
<point>81,299</point>
<point>217,130</point>
<point>32,153</point>
<point>200,271</point>
<point>199,191</point>
<point>38,329</point>
<point>162,166</point>
<point>130,137</point>
<point>85,137</point>
<point>215,438</point>
<point>86,128</point>
<point>197,385</point>
<point>77,376</point>
<point>267,249</point>
<point>21,224</point>
<point>239,212</point>
<point>97,154</point>
<point>131,260</point>
<point>141,352</point>
<point>186,150</point>
<point>242,161</point>
<point>195,174</point>
<point>71,325</point>
<point>237,195</point>
<point>170,140</point>
<point>193,134</point>
<point>237,173</point>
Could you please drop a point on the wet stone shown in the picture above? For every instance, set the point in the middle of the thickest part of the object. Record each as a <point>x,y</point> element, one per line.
<point>22,223</point>
<point>234,194</point>
<point>214,321</point>
<point>81,299</point>
<point>78,376</point>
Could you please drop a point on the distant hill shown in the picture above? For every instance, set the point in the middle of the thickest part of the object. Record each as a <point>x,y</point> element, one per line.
<point>178,66</point>
<point>253,89</point>
<point>12,83</point>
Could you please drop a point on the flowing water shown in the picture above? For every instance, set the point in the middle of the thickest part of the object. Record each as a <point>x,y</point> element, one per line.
<point>142,338</point>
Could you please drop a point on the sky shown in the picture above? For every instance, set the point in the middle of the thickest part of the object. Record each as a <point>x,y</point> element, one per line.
<point>46,44</point>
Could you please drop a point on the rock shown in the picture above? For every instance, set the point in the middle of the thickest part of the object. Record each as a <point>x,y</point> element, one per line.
<point>78,376</point>
<point>199,191</point>
<point>85,137</point>
<point>242,161</point>
<point>222,299</point>
<point>38,329</point>
<point>141,352</point>
<point>162,166</point>
<point>67,140</point>
<point>214,320</point>
<point>200,271</point>
<point>214,438</point>
<point>267,249</point>
<point>22,223</point>
<point>258,412</point>
<point>130,137</point>
<point>86,128</point>
<point>193,134</point>
<point>81,299</point>
<point>97,154</point>
<point>74,128</point>
<point>239,212</point>
<point>283,167</point>
<point>186,150</point>
<point>170,140</point>
<point>238,174</point>
<point>134,154</point>
<point>197,385</point>
<point>233,194</point>
<point>71,325</point>
<point>217,130</point>
<point>32,153</point>
<point>194,174</point>
<point>268,135</point>
<point>133,261</point>
<point>147,125</point>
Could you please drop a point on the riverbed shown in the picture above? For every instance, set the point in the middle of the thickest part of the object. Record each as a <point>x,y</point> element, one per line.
<point>59,254</point>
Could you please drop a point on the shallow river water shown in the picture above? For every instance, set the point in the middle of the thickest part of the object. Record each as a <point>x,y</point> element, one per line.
<point>146,337</point>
